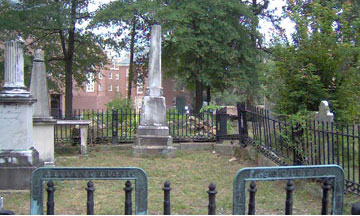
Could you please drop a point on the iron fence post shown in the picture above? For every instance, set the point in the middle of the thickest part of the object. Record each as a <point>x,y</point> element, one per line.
<point>50,202</point>
<point>252,191</point>
<point>90,198</point>
<point>115,125</point>
<point>325,197</point>
<point>289,198</point>
<point>167,190</point>
<point>221,123</point>
<point>128,200</point>
<point>212,195</point>
<point>242,123</point>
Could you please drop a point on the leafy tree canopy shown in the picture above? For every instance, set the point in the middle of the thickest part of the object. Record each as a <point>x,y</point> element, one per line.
<point>207,43</point>
<point>58,27</point>
<point>323,61</point>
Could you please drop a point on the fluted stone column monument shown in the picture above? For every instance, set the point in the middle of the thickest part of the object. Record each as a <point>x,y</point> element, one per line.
<point>18,157</point>
<point>152,136</point>
<point>43,123</point>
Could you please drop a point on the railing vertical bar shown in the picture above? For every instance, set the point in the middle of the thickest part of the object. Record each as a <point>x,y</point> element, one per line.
<point>319,141</point>
<point>332,142</point>
<point>307,142</point>
<point>353,152</point>
<point>328,142</point>
<point>121,125</point>
<point>107,123</point>
<point>348,152</point>
<point>102,125</point>
<point>130,116</point>
<point>97,124</point>
<point>286,135</point>
<point>260,121</point>
<point>92,122</point>
<point>269,129</point>
<point>281,141</point>
<point>323,141</point>
<point>358,152</point>
<point>275,139</point>
<point>338,147</point>
<point>343,147</point>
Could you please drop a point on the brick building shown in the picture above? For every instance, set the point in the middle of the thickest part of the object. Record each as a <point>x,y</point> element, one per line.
<point>112,82</point>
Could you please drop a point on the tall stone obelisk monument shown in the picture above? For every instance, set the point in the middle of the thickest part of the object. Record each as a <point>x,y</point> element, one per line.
<point>43,123</point>
<point>18,157</point>
<point>152,137</point>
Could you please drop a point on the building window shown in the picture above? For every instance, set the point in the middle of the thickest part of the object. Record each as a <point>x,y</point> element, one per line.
<point>140,89</point>
<point>100,75</point>
<point>127,72</point>
<point>110,88</point>
<point>117,89</point>
<point>110,75</point>
<point>100,88</point>
<point>117,76</point>
<point>90,82</point>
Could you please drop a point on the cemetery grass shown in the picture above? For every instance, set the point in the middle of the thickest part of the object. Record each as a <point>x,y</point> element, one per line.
<point>189,173</point>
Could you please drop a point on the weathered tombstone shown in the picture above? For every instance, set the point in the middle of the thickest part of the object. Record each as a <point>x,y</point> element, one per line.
<point>18,157</point>
<point>152,137</point>
<point>324,114</point>
<point>43,123</point>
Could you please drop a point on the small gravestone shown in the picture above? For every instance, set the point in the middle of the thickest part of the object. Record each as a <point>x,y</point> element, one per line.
<point>152,136</point>
<point>43,131</point>
<point>18,157</point>
<point>324,114</point>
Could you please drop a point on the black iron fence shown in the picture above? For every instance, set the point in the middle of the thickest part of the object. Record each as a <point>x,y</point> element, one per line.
<point>331,176</point>
<point>305,142</point>
<point>119,126</point>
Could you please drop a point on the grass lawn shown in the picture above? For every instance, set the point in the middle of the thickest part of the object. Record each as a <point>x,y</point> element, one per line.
<point>189,173</point>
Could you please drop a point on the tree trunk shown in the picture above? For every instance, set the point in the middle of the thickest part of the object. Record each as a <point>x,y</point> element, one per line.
<point>68,89</point>
<point>68,54</point>
<point>131,68</point>
<point>198,96</point>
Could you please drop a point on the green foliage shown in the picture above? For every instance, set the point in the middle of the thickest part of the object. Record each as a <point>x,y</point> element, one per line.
<point>58,27</point>
<point>209,108</point>
<point>120,104</point>
<point>321,64</point>
<point>208,43</point>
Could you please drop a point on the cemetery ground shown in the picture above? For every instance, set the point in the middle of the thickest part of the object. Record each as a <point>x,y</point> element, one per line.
<point>190,174</point>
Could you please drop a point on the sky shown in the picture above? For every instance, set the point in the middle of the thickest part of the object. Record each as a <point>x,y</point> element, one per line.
<point>266,27</point>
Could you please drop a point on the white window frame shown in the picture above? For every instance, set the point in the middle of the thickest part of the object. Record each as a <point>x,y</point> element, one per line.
<point>100,88</point>
<point>117,76</point>
<point>117,88</point>
<point>110,88</point>
<point>90,84</point>
<point>140,89</point>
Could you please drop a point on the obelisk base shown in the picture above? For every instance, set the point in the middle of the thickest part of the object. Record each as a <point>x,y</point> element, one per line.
<point>44,144</point>
<point>153,141</point>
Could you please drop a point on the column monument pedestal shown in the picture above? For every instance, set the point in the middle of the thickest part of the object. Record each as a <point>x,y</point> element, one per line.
<point>152,136</point>
<point>18,157</point>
